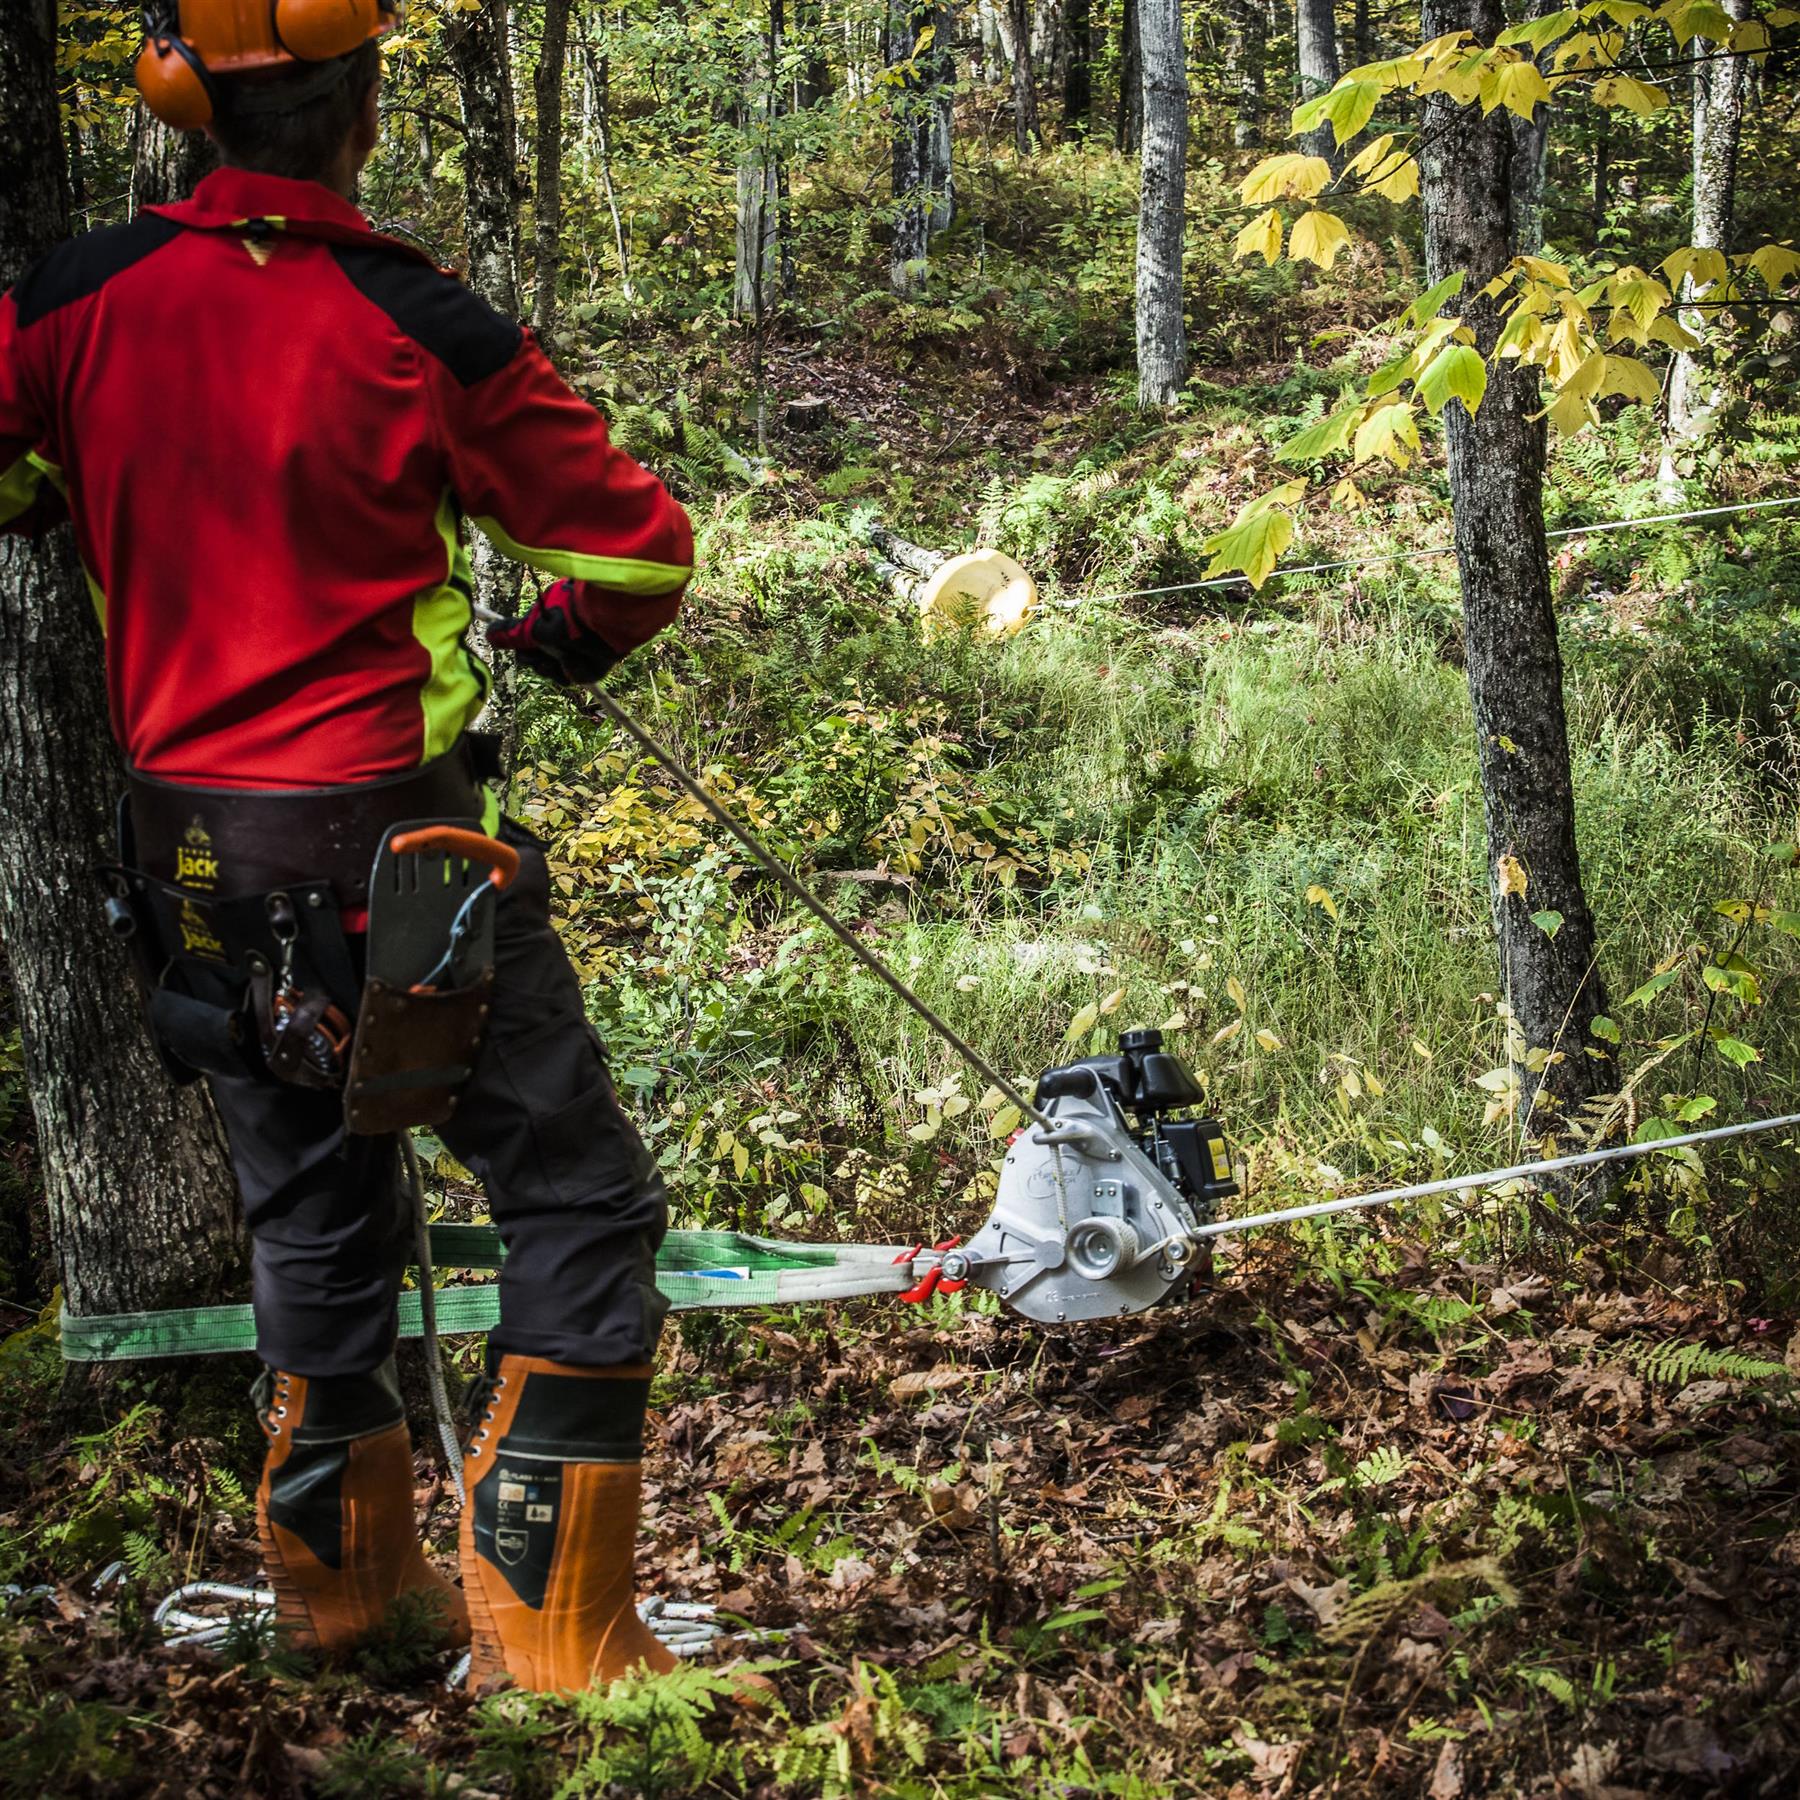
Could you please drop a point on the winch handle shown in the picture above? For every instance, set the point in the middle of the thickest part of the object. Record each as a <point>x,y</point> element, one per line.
<point>500,860</point>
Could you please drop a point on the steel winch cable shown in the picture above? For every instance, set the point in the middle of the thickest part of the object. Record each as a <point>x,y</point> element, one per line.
<point>796,889</point>
<point>1450,1184</point>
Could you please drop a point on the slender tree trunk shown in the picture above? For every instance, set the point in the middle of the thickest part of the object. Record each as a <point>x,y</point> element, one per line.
<point>1316,30</point>
<point>1128,126</point>
<point>600,70</point>
<point>140,1198</point>
<point>940,147</point>
<point>547,86</point>
<point>814,81</point>
<point>1078,68</point>
<point>1362,33</point>
<point>1162,205</point>
<point>912,115</point>
<point>1244,61</point>
<point>1026,129</point>
<point>993,40</point>
<point>477,42</point>
<point>758,177</point>
<point>1514,661</point>
<point>165,164</point>
<point>1531,155</point>
<point>1718,122</point>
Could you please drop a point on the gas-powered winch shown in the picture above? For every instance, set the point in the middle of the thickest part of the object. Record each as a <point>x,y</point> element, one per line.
<point>1095,1214</point>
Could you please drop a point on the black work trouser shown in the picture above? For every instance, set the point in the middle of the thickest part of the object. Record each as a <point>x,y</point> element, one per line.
<point>575,1195</point>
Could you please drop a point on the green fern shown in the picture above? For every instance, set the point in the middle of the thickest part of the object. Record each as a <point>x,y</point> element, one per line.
<point>1677,1364</point>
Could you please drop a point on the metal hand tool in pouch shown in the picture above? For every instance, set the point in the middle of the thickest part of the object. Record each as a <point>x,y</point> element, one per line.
<point>430,975</point>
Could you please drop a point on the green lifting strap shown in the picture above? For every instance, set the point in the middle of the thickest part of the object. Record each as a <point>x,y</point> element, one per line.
<point>694,1269</point>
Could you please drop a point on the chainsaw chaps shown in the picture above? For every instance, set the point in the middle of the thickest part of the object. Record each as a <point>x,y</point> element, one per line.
<point>1093,1214</point>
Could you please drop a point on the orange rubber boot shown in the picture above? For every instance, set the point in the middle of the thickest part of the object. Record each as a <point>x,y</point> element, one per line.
<point>334,1510</point>
<point>553,1475</point>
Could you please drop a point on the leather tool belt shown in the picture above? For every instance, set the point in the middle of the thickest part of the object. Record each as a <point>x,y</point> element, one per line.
<point>243,913</point>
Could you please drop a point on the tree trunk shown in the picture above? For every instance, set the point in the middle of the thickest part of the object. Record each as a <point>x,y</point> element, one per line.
<point>165,164</point>
<point>813,83</point>
<point>1078,69</point>
<point>1244,61</point>
<point>1496,462</point>
<point>1026,129</point>
<point>477,44</point>
<point>912,115</point>
<point>757,274</point>
<point>1162,205</point>
<point>547,86</point>
<point>1362,33</point>
<point>1718,122</point>
<point>1128,126</point>
<point>140,1198</point>
<point>1531,154</point>
<point>940,146</point>
<point>1316,30</point>
<point>478,53</point>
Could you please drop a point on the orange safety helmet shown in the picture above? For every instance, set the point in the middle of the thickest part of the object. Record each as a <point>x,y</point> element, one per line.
<point>188,42</point>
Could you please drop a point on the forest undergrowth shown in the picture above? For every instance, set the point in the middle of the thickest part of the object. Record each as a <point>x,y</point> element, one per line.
<point>1475,1499</point>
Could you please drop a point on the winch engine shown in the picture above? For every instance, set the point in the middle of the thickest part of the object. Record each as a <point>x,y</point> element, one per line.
<point>1095,1207</point>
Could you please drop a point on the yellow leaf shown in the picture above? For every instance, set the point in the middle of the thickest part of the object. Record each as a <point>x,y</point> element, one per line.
<point>1176,1021</point>
<point>1285,177</point>
<point>1691,261</point>
<point>1252,543</point>
<point>1268,1040</point>
<point>1750,38</point>
<point>1572,412</point>
<point>1630,94</point>
<point>1510,873</point>
<point>1319,897</point>
<point>1317,237</point>
<point>1083,1022</point>
<point>1455,373</point>
<point>1518,86</point>
<point>1398,178</point>
<point>1111,1003</point>
<point>1634,380</point>
<point>1775,263</point>
<point>1005,1122</point>
<point>1690,19</point>
<point>1226,1033</point>
<point>740,1161</point>
<point>1235,989</point>
<point>1387,433</point>
<point>1670,330</point>
<point>1261,237</point>
<point>1348,495</point>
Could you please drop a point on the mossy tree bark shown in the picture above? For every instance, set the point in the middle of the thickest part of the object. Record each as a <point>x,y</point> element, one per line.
<point>141,1202</point>
<point>1515,672</point>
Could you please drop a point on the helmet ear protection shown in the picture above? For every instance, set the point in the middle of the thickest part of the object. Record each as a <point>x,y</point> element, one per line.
<point>239,36</point>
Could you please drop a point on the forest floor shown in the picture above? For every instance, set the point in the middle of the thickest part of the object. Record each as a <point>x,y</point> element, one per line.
<point>1446,1506</point>
<point>1389,1526</point>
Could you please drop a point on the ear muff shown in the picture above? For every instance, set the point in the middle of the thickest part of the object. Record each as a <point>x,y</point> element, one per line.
<point>319,30</point>
<point>173,80</point>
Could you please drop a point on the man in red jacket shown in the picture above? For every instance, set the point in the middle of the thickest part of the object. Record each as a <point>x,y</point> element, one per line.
<point>267,424</point>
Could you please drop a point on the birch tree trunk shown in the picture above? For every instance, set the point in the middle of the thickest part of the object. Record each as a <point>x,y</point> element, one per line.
<point>1496,462</point>
<point>1316,32</point>
<point>940,148</point>
<point>1162,205</point>
<point>547,87</point>
<point>1531,155</point>
<point>140,1197</point>
<point>912,110</point>
<point>1718,122</point>
<point>1248,30</point>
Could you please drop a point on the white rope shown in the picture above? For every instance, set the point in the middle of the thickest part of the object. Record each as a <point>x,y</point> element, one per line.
<point>1451,1184</point>
<point>1395,556</point>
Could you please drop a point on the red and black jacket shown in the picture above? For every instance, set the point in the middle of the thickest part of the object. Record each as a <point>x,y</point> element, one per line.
<point>267,423</point>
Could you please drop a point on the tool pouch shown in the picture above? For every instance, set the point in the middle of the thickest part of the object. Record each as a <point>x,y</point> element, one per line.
<point>413,1050</point>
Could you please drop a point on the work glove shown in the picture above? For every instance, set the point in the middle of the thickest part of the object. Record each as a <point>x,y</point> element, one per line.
<point>551,639</point>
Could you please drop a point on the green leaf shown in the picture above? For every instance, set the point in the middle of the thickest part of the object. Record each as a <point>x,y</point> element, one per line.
<point>1603,1028</point>
<point>1541,33</point>
<point>1430,303</point>
<point>1735,1050</point>
<point>1252,543</point>
<point>1457,372</point>
<point>1696,1108</point>
<point>1329,437</point>
<point>1653,1131</point>
<point>1388,433</point>
<point>1063,1621</point>
<point>1641,996</point>
<point>1548,922</point>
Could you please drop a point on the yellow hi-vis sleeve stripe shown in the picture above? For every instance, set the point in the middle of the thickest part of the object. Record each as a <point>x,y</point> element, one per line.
<point>625,573</point>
